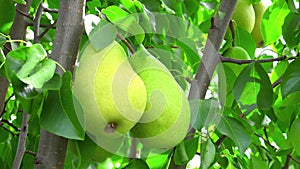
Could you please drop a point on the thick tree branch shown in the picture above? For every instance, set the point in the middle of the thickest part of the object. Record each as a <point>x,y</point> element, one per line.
<point>210,57</point>
<point>52,148</point>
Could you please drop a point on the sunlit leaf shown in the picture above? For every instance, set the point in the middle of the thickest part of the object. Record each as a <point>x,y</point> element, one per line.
<point>273,19</point>
<point>137,163</point>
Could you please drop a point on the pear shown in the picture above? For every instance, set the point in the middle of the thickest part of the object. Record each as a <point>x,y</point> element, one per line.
<point>244,15</point>
<point>166,119</point>
<point>236,52</point>
<point>259,9</point>
<point>112,96</point>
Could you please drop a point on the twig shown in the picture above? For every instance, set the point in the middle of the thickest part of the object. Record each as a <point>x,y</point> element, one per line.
<point>22,142</point>
<point>277,82</point>
<point>50,10</point>
<point>231,26</point>
<point>240,62</point>
<point>220,140</point>
<point>5,104</point>
<point>266,141</point>
<point>24,14</point>
<point>30,152</point>
<point>287,161</point>
<point>37,22</point>
<point>46,30</point>
<point>126,43</point>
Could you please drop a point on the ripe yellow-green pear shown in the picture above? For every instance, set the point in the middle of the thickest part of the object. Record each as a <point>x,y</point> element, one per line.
<point>259,9</point>
<point>244,15</point>
<point>112,96</point>
<point>166,119</point>
<point>236,52</point>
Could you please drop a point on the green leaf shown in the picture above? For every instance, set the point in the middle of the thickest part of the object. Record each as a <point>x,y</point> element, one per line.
<point>253,87</point>
<point>87,150</point>
<point>293,135</point>
<point>125,21</point>
<point>208,152</point>
<point>55,120</point>
<point>30,65</point>
<point>114,13</point>
<point>244,39</point>
<point>103,35</point>
<point>207,113</point>
<point>129,5</point>
<point>137,164</point>
<point>159,161</point>
<point>291,29</point>
<point>258,163</point>
<point>41,75</point>
<point>185,151</point>
<point>66,100</point>
<point>236,131</point>
<point>34,105</point>
<point>188,46</point>
<point>4,134</point>
<point>290,80</point>
<point>273,19</point>
<point>54,83</point>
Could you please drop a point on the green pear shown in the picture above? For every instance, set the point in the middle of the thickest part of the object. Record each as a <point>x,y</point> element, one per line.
<point>112,96</point>
<point>244,15</point>
<point>166,119</point>
<point>236,52</point>
<point>259,9</point>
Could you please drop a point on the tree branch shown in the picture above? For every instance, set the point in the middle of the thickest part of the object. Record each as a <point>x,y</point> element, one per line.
<point>22,142</point>
<point>24,13</point>
<point>240,62</point>
<point>126,43</point>
<point>52,26</point>
<point>287,161</point>
<point>37,22</point>
<point>50,10</point>
<point>210,57</point>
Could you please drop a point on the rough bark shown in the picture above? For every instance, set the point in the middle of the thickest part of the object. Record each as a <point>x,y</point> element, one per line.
<point>52,148</point>
<point>210,57</point>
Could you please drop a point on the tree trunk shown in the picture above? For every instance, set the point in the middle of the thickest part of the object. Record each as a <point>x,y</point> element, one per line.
<point>52,148</point>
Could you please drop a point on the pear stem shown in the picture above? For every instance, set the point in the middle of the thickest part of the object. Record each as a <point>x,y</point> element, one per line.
<point>111,127</point>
